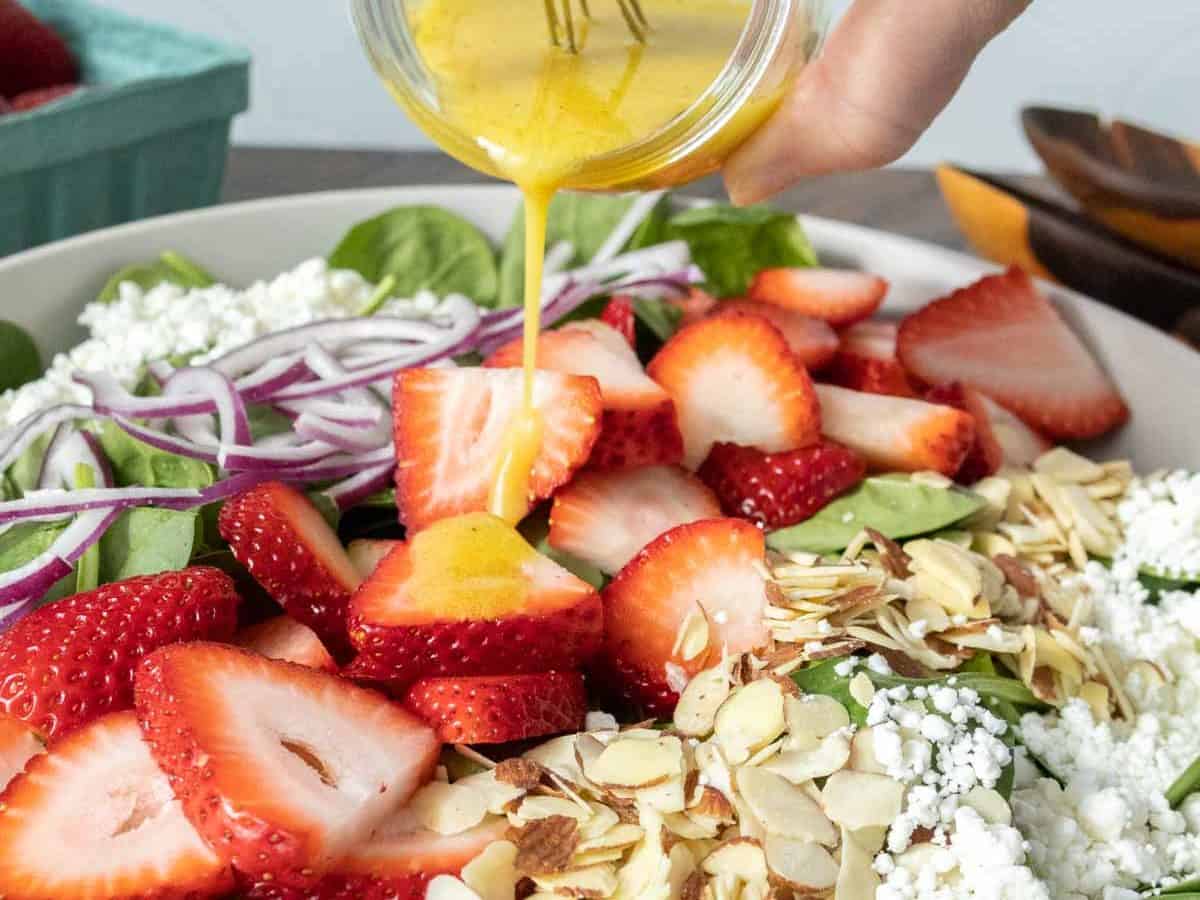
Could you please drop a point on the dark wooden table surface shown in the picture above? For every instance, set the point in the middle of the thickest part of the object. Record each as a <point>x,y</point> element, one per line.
<point>900,200</point>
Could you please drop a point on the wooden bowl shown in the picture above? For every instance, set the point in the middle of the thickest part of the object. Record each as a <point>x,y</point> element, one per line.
<point>1011,225</point>
<point>1140,183</point>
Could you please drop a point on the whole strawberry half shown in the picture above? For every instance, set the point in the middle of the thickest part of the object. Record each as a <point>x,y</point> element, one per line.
<point>1004,338</point>
<point>496,709</point>
<point>639,426</point>
<point>734,378</point>
<point>72,661</point>
<point>690,596</point>
<point>451,426</point>
<point>396,863</point>
<point>289,548</point>
<point>94,817</point>
<point>32,55</point>
<point>469,596</point>
<point>780,489</point>
<point>283,769</point>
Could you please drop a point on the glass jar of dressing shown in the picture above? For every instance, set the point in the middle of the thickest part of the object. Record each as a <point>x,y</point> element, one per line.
<point>482,78</point>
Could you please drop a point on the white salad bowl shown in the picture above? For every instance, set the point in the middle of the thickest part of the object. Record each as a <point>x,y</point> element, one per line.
<point>43,290</point>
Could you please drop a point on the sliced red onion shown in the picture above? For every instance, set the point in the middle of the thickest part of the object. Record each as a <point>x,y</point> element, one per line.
<point>199,430</point>
<point>250,458</point>
<point>160,370</point>
<point>638,212</point>
<point>234,484</point>
<point>169,443</point>
<point>344,465</point>
<point>98,460</point>
<point>110,398</point>
<point>358,487</point>
<point>66,450</point>
<point>356,414</point>
<point>272,376</point>
<point>558,257</point>
<point>232,420</point>
<point>325,365</point>
<point>352,439</point>
<point>40,504</point>
<point>17,439</point>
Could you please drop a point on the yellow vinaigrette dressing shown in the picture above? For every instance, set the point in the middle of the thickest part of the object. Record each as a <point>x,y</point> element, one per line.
<point>541,113</point>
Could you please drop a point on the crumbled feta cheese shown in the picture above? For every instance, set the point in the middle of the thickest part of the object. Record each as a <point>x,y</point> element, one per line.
<point>1161,521</point>
<point>878,664</point>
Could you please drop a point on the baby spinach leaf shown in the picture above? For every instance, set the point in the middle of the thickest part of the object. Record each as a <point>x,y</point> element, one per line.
<point>660,318</point>
<point>326,507</point>
<point>266,421</point>
<point>732,244</point>
<point>25,541</point>
<point>22,361</point>
<point>136,463</point>
<point>145,541</point>
<point>897,507</point>
<point>24,471</point>
<point>1184,890</point>
<point>423,248</point>
<point>170,267</point>
<point>1184,786</point>
<point>583,220</point>
<point>653,229</point>
<point>87,570</point>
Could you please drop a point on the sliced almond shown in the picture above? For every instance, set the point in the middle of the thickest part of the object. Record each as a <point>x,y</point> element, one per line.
<point>782,808</point>
<point>800,766</point>
<point>620,835</point>
<point>862,753</point>
<point>862,689</point>
<point>634,764</point>
<point>811,717</point>
<point>860,800</point>
<point>559,756</point>
<point>690,828</point>
<point>449,808</point>
<point>945,574</point>
<point>750,719</point>
<point>692,638</point>
<point>696,711</point>
<point>492,874</point>
<point>1066,465</point>
<point>805,866</point>
<point>495,793</point>
<point>447,887</point>
<point>990,805</point>
<point>923,609</point>
<point>532,808</point>
<point>738,860</point>
<point>1096,696</point>
<point>590,881</point>
<point>603,819</point>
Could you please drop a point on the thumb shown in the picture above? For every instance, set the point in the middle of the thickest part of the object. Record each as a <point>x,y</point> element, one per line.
<point>886,72</point>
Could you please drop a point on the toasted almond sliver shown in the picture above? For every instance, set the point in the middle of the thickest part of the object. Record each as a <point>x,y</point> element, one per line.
<point>1096,696</point>
<point>862,689</point>
<point>990,804</point>
<point>800,766</point>
<point>750,719</point>
<point>447,887</point>
<point>741,859</point>
<point>862,753</point>
<point>496,793</point>
<point>859,800</point>
<point>696,711</point>
<point>811,717</point>
<point>558,755</point>
<point>603,819</point>
<point>782,808</point>
<point>543,807</point>
<point>449,808</point>
<point>492,874</point>
<point>621,835</point>
<point>1066,465</point>
<point>692,639</point>
<point>804,865</point>
<point>634,763</point>
<point>590,881</point>
<point>856,877</point>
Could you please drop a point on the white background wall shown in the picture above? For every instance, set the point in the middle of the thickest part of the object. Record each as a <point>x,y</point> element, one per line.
<point>312,85</point>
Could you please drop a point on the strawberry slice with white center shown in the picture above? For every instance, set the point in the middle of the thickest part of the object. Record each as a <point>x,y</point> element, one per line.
<point>94,817</point>
<point>619,314</point>
<point>866,361</point>
<point>605,518</point>
<point>283,769</point>
<point>1003,337</point>
<point>812,340</point>
<point>289,548</point>
<point>897,434</point>
<point>498,709</point>
<point>1020,445</point>
<point>639,425</point>
<point>840,297</point>
<point>691,595</point>
<point>986,456</point>
<point>18,744</point>
<point>451,426</point>
<point>734,379</point>
<point>367,553</point>
<point>395,864</point>
<point>284,638</point>
<point>470,596</point>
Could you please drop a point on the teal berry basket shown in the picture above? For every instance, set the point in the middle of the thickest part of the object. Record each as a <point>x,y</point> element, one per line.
<point>148,133</point>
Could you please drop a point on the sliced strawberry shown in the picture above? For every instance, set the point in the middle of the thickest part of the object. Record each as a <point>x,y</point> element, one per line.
<point>283,769</point>
<point>639,426</point>
<point>897,434</point>
<point>496,709</point>
<point>289,548</point>
<point>94,818</point>
<point>72,661</point>
<point>986,456</point>
<point>469,596</point>
<point>814,342</point>
<point>618,314</point>
<point>733,378</point>
<point>367,553</point>
<point>32,55</point>
<point>18,744</point>
<point>284,638</point>
<point>1020,445</point>
<point>866,361</point>
<point>840,297</point>
<point>451,425</point>
<point>41,96</point>
<point>605,518</point>
<point>706,573</point>
<point>780,489</point>
<point>1002,336</point>
<point>695,306</point>
<point>395,864</point>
